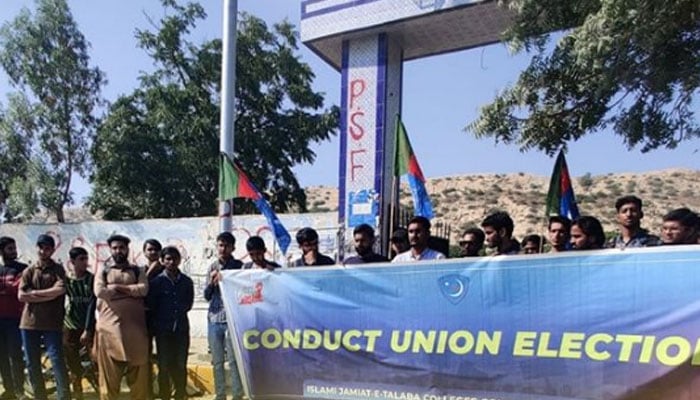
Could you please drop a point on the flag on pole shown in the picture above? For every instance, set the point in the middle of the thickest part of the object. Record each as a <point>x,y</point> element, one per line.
<point>405,162</point>
<point>233,182</point>
<point>560,199</point>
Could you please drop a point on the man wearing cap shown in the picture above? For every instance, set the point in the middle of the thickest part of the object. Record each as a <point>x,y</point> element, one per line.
<point>122,340</point>
<point>42,289</point>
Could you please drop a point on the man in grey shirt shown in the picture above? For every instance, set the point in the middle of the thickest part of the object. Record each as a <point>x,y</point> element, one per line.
<point>218,336</point>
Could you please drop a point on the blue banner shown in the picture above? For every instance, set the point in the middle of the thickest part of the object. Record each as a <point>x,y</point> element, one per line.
<point>589,325</point>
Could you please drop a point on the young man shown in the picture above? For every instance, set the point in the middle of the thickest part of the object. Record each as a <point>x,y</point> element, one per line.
<point>307,239</point>
<point>122,340</point>
<point>532,244</point>
<point>629,217</point>
<point>587,234</point>
<point>170,298</point>
<point>219,343</point>
<point>498,229</point>
<point>79,323</point>
<point>558,232</point>
<point>151,250</point>
<point>42,290</point>
<point>153,268</point>
<point>680,227</point>
<point>363,235</point>
<point>418,237</point>
<point>255,245</point>
<point>11,360</point>
<point>399,242</point>
<point>472,242</point>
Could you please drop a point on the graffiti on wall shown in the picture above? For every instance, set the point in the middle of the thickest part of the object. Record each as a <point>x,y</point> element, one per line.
<point>195,238</point>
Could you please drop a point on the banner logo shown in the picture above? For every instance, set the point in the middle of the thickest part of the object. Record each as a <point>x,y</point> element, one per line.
<point>454,287</point>
<point>252,295</point>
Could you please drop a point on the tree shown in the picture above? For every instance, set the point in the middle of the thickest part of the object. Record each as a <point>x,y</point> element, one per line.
<point>50,120</point>
<point>156,154</point>
<point>15,152</point>
<point>627,65</point>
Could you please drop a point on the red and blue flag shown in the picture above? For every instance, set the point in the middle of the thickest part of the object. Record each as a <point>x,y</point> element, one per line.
<point>560,199</point>
<point>406,163</point>
<point>233,182</point>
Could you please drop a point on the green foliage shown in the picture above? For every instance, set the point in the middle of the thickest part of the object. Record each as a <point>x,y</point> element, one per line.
<point>49,122</point>
<point>586,181</point>
<point>156,153</point>
<point>628,65</point>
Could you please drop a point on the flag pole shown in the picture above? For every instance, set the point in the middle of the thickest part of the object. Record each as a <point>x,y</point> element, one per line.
<point>392,213</point>
<point>228,99</point>
<point>394,185</point>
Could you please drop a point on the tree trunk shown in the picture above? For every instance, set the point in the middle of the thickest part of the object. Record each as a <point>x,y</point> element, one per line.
<point>60,217</point>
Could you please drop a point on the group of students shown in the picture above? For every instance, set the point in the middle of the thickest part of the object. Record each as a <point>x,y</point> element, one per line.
<point>114,315</point>
<point>133,305</point>
<point>136,305</point>
<point>495,236</point>
<point>679,226</point>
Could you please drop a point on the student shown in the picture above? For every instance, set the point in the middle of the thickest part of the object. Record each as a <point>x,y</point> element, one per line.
<point>153,267</point>
<point>399,242</point>
<point>255,245</point>
<point>680,227</point>
<point>532,244</point>
<point>11,360</point>
<point>170,298</point>
<point>217,330</point>
<point>558,233</point>
<point>122,340</point>
<point>363,235</point>
<point>418,237</point>
<point>629,218</point>
<point>587,234</point>
<point>151,250</point>
<point>471,243</point>
<point>498,229</point>
<point>307,239</point>
<point>42,289</point>
<point>79,323</point>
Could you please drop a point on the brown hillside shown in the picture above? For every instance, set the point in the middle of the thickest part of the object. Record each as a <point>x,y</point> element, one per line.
<point>464,200</point>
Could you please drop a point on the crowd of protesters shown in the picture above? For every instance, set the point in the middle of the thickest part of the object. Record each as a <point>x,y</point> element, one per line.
<point>47,307</point>
<point>495,235</point>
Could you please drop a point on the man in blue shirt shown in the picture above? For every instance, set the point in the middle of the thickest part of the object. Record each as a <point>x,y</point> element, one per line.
<point>170,298</point>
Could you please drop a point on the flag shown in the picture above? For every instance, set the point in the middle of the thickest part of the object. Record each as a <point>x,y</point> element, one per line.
<point>560,199</point>
<point>405,162</point>
<point>233,182</point>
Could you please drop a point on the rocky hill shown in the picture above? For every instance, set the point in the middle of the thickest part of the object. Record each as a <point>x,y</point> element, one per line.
<point>464,200</point>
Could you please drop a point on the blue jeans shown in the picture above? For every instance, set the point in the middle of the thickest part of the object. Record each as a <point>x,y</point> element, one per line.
<point>219,345</point>
<point>11,361</point>
<point>53,341</point>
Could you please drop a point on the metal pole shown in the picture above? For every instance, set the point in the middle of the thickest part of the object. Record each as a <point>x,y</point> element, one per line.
<point>228,99</point>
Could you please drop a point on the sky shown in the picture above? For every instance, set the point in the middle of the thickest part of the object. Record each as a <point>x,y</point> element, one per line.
<point>441,95</point>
